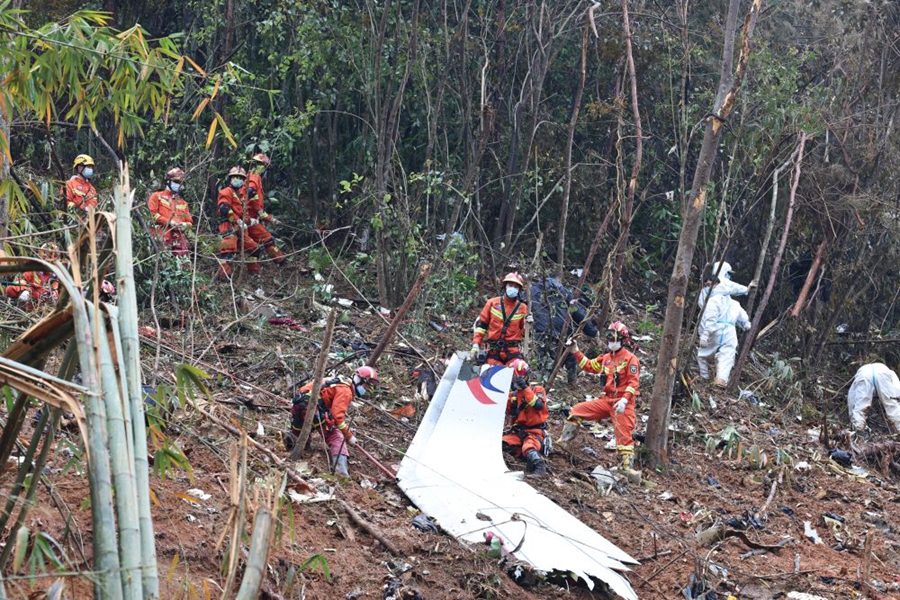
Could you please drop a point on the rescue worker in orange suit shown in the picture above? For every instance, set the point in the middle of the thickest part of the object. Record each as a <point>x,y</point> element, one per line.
<point>171,214</point>
<point>527,409</point>
<point>620,372</point>
<point>34,288</point>
<point>79,191</point>
<point>335,396</point>
<point>501,325</point>
<point>256,209</point>
<point>233,224</point>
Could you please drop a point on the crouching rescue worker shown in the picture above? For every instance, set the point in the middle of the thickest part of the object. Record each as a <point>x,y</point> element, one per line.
<point>256,209</point>
<point>34,288</point>
<point>501,325</point>
<point>527,409</point>
<point>233,224</point>
<point>171,214</point>
<point>620,372</point>
<point>335,396</point>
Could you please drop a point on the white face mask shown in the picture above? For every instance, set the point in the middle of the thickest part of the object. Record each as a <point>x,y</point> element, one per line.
<point>175,186</point>
<point>614,346</point>
<point>87,173</point>
<point>237,183</point>
<point>512,291</point>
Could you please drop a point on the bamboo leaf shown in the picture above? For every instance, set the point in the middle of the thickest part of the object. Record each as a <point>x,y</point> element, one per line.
<point>216,88</point>
<point>172,567</point>
<point>225,129</point>
<point>200,108</point>
<point>195,65</point>
<point>212,133</point>
<point>21,547</point>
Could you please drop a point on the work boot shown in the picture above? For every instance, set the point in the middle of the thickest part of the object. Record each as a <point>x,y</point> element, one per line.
<point>626,467</point>
<point>570,431</point>
<point>721,383</point>
<point>340,466</point>
<point>536,464</point>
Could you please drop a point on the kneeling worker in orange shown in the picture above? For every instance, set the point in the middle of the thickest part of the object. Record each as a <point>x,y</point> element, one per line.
<point>527,408</point>
<point>256,211</point>
<point>620,372</point>
<point>34,288</point>
<point>501,325</point>
<point>232,208</point>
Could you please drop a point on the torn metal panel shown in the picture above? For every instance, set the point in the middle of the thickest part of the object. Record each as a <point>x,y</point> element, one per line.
<point>454,471</point>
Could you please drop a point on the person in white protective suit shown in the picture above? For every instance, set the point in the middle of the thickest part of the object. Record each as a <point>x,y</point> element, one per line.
<point>718,336</point>
<point>725,286</point>
<point>869,379</point>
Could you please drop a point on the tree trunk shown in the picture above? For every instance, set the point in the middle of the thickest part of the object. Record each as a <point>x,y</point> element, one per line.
<point>810,278</point>
<point>729,86</point>
<point>773,276</point>
<point>573,120</point>
<point>770,226</point>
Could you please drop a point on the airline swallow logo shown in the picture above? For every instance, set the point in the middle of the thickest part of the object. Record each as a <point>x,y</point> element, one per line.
<point>478,385</point>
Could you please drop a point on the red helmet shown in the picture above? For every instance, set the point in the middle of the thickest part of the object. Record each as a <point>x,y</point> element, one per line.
<point>618,332</point>
<point>520,367</point>
<point>515,278</point>
<point>261,159</point>
<point>237,172</point>
<point>367,375</point>
<point>175,174</point>
<point>107,287</point>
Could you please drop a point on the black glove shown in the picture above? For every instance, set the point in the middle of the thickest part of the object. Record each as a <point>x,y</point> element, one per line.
<point>251,192</point>
<point>603,380</point>
<point>519,383</point>
<point>481,357</point>
<point>539,404</point>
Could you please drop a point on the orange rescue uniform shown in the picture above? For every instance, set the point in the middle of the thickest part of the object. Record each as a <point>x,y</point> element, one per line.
<point>529,427</point>
<point>335,396</point>
<point>256,210</point>
<point>232,206</point>
<point>621,371</point>
<point>167,210</point>
<point>42,287</point>
<point>80,193</point>
<point>501,325</point>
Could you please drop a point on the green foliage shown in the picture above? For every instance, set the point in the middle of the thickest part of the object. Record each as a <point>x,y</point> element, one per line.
<point>169,458</point>
<point>46,552</point>
<point>452,288</point>
<point>188,381</point>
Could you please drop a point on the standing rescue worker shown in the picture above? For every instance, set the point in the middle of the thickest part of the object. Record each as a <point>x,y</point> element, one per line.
<point>527,409</point>
<point>79,191</point>
<point>501,325</point>
<point>620,372</point>
<point>171,214</point>
<point>232,209</point>
<point>725,286</point>
<point>34,288</point>
<point>718,336</point>
<point>256,209</point>
<point>335,396</point>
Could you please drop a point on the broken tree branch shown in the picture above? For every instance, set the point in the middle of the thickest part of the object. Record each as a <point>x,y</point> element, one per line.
<point>401,313</point>
<point>810,278</point>
<point>368,528</point>
<point>300,442</point>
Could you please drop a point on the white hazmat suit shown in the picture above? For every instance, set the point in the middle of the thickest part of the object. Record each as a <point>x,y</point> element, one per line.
<point>725,286</point>
<point>869,379</point>
<point>718,335</point>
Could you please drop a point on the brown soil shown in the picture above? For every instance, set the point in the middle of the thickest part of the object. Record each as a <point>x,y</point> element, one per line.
<point>658,531</point>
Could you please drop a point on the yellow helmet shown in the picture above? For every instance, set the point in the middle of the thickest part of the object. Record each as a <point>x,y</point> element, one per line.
<point>83,160</point>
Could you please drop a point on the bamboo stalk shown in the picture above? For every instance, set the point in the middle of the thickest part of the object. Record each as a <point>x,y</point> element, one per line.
<point>122,470</point>
<point>238,502</point>
<point>11,430</point>
<point>128,328</point>
<point>398,318</point>
<point>259,554</point>
<point>24,467</point>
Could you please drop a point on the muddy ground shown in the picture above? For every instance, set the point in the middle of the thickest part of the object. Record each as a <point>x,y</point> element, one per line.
<point>774,458</point>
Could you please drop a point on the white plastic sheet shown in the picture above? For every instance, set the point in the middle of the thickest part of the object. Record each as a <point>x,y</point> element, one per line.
<point>454,471</point>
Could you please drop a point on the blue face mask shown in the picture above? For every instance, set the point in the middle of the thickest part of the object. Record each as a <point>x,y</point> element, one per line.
<point>175,186</point>
<point>512,291</point>
<point>87,173</point>
<point>237,183</point>
<point>360,390</point>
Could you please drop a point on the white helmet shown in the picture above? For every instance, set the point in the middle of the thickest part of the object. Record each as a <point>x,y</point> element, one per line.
<point>724,273</point>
